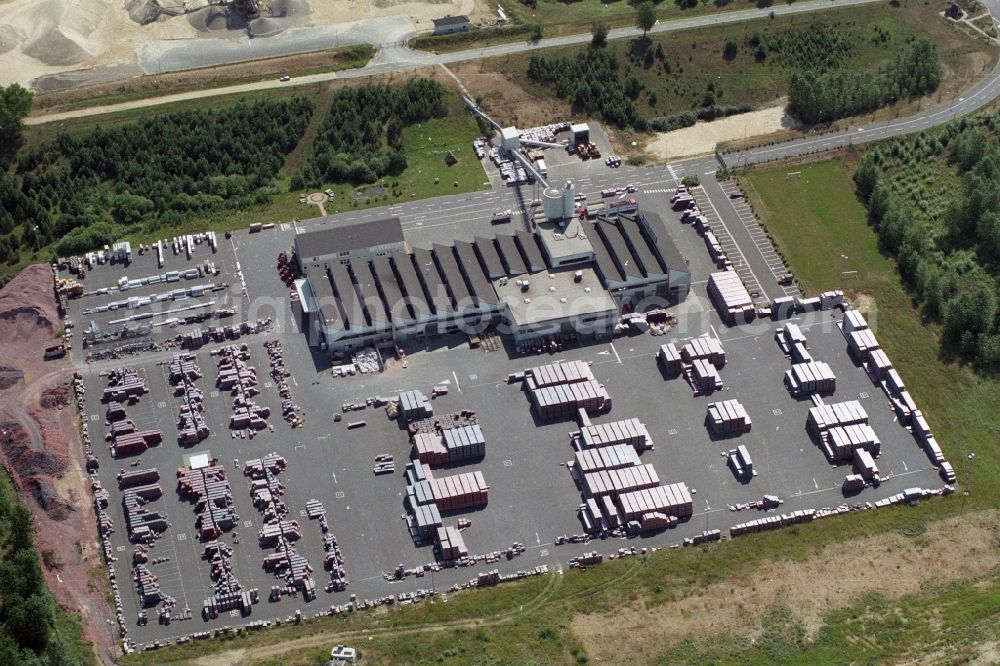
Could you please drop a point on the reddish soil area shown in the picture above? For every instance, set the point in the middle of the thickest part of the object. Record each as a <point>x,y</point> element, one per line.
<point>40,448</point>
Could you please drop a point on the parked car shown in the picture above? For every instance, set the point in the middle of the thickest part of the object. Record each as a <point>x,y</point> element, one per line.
<point>285,78</point>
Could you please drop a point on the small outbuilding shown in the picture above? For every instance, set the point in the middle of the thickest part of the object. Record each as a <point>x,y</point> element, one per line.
<point>450,24</point>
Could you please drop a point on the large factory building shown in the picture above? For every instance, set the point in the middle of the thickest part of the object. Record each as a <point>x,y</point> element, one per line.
<point>571,275</point>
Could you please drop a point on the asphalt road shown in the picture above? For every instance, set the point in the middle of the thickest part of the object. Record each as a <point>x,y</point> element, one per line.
<point>390,58</point>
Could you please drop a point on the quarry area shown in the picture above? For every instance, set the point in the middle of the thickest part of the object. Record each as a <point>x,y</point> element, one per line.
<point>54,44</point>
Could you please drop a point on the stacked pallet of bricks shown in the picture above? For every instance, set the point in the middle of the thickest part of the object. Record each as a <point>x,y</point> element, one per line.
<point>605,458</point>
<point>144,524</point>
<point>450,493</point>
<point>240,378</point>
<point>124,385</point>
<point>862,343</point>
<point>772,522</point>
<point>414,405</point>
<point>670,500</point>
<point>614,482</point>
<point>739,461</point>
<point>275,358</point>
<point>146,586</point>
<point>191,426</point>
<point>277,532</point>
<point>228,593</point>
<point>864,464</point>
<point>450,543</point>
<point>730,298</point>
<point>450,445</point>
<point>728,418</point>
<point>793,343</point>
<point>715,251</point>
<point>925,437</point>
<point>627,431</point>
<point>823,417</point>
<point>129,441</point>
<point>212,495</point>
<point>811,378</point>
<point>333,559</point>
<point>426,518</point>
<point>703,377</point>
<point>840,442</point>
<point>705,347</point>
<point>670,359</point>
<point>559,390</point>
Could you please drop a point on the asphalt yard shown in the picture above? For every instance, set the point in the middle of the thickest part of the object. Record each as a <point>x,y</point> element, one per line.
<point>532,498</point>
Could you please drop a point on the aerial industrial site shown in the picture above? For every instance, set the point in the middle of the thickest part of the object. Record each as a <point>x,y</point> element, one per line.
<point>324,415</point>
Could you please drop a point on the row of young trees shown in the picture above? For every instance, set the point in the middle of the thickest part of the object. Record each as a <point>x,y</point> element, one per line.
<point>591,81</point>
<point>948,260</point>
<point>361,140</point>
<point>816,97</point>
<point>159,171</point>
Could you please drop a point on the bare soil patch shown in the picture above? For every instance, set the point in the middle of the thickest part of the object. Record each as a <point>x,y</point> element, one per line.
<point>40,447</point>
<point>507,101</point>
<point>890,563</point>
<point>701,138</point>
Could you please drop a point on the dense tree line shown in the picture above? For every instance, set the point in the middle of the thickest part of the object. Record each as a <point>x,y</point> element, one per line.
<point>949,256</point>
<point>361,140</point>
<point>27,609</point>
<point>817,97</point>
<point>158,171</point>
<point>591,81</point>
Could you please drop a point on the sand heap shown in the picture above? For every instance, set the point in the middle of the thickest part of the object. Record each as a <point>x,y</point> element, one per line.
<point>54,32</point>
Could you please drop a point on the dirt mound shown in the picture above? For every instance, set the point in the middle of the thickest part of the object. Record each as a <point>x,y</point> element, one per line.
<point>56,397</point>
<point>53,46</point>
<point>27,304</point>
<point>28,458</point>
<point>287,8</point>
<point>9,39</point>
<point>144,11</point>
<point>265,27</point>
<point>48,498</point>
<point>216,19</point>
<point>9,377</point>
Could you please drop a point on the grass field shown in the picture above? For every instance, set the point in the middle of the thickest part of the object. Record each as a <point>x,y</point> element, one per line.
<point>694,58</point>
<point>813,218</point>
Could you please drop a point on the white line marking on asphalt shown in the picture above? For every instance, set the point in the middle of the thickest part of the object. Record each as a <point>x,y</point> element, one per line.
<point>457,385</point>
<point>616,353</point>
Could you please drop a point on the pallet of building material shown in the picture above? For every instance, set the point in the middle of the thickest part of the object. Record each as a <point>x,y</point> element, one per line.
<point>861,343</point>
<point>147,586</point>
<point>739,461</point>
<point>627,431</point>
<point>669,359</point>
<point>123,427</point>
<point>115,412</point>
<point>384,468</point>
<point>414,405</point>
<point>864,464</point>
<point>829,300</point>
<point>823,417</point>
<point>315,509</point>
<point>672,499</point>
<point>614,482</point>
<point>450,543</point>
<point>459,491</point>
<point>730,297</point>
<point>255,467</point>
<point>878,364</point>
<point>852,483</point>
<point>853,321</point>
<point>782,308</point>
<point>564,400</point>
<point>812,378</point>
<point>654,521</point>
<point>608,457</point>
<point>135,443</point>
<point>772,522</point>
<point>270,532</point>
<point>705,347</point>
<point>466,417</point>
<point>839,442</point>
<point>703,377</point>
<point>181,368</point>
<point>554,374</point>
<point>426,520</point>
<point>728,417</point>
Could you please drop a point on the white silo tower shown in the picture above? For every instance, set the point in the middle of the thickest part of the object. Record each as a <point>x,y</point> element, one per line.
<point>569,200</point>
<point>552,203</point>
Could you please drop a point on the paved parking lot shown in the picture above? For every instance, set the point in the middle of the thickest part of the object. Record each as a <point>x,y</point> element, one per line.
<point>532,498</point>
